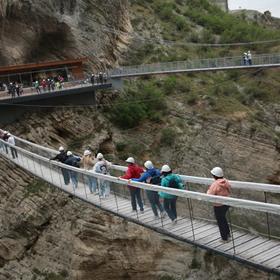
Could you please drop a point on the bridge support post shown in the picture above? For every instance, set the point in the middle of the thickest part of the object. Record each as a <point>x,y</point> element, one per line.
<point>267,217</point>
<point>232,237</point>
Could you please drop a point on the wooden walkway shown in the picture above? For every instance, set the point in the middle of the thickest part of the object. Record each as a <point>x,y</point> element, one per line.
<point>245,247</point>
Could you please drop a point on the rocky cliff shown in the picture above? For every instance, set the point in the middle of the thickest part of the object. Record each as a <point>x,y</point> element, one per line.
<point>46,234</point>
<point>52,29</point>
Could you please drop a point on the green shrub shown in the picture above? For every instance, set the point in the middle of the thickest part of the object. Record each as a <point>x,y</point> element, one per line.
<point>181,23</point>
<point>168,136</point>
<point>135,105</point>
<point>191,98</point>
<point>169,84</point>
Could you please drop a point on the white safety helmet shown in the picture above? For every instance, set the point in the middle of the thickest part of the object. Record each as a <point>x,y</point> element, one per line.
<point>218,172</point>
<point>61,149</point>
<point>148,164</point>
<point>69,153</point>
<point>130,160</point>
<point>87,152</point>
<point>165,168</point>
<point>99,156</point>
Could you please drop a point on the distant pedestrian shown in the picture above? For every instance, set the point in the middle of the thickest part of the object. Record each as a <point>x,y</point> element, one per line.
<point>100,77</point>
<point>173,181</point>
<point>74,162</point>
<point>44,84</point>
<point>37,87</point>
<point>5,138</point>
<point>17,86</point>
<point>87,163</point>
<point>220,187</point>
<point>134,171</point>
<point>92,79</point>
<point>152,176</point>
<point>61,157</point>
<point>245,59</point>
<point>249,58</point>
<point>11,140</point>
<point>105,77</point>
<point>102,166</point>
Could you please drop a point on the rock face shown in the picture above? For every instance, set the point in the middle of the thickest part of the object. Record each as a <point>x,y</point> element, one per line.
<point>51,29</point>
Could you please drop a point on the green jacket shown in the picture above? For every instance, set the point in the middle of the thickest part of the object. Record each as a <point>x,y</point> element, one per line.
<point>165,183</point>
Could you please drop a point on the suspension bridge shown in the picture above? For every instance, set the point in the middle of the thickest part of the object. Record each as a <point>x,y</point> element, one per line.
<point>195,65</point>
<point>258,248</point>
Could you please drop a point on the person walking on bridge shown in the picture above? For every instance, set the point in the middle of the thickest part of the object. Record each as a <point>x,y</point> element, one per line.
<point>61,157</point>
<point>249,58</point>
<point>73,161</point>
<point>11,140</point>
<point>102,166</point>
<point>134,171</point>
<point>152,176</point>
<point>88,162</point>
<point>173,181</point>
<point>220,187</point>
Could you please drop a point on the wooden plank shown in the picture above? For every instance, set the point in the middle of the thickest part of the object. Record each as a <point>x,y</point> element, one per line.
<point>234,243</point>
<point>197,231</point>
<point>209,238</point>
<point>254,243</point>
<point>218,243</point>
<point>274,262</point>
<point>254,251</point>
<point>267,255</point>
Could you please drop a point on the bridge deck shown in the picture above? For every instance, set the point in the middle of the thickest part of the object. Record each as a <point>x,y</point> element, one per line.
<point>245,247</point>
<point>196,65</point>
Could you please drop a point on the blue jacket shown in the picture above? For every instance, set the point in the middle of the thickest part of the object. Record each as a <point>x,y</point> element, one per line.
<point>147,174</point>
<point>165,183</point>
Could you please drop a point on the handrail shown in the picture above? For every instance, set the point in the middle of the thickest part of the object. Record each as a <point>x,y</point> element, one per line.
<point>240,203</point>
<point>270,188</point>
<point>235,62</point>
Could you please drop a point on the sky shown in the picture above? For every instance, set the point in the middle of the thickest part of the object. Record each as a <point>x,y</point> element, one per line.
<point>260,5</point>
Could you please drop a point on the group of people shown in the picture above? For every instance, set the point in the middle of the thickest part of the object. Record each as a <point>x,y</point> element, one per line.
<point>247,58</point>
<point>9,138</point>
<point>49,84</point>
<point>100,78</point>
<point>162,203</point>
<point>14,89</point>
<point>88,162</point>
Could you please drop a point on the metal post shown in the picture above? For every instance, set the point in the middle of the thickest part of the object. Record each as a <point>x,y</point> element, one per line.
<point>50,167</point>
<point>232,236</point>
<point>116,200</point>
<point>191,217</point>
<point>83,179</point>
<point>267,217</point>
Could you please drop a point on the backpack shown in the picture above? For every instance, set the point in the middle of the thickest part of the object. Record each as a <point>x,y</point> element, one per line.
<point>155,180</point>
<point>103,169</point>
<point>173,184</point>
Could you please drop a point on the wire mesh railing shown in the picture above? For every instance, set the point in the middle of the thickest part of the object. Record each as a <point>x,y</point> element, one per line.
<point>263,60</point>
<point>188,226</point>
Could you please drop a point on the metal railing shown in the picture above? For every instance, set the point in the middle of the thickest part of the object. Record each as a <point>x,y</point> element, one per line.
<point>251,186</point>
<point>221,63</point>
<point>51,172</point>
<point>199,184</point>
